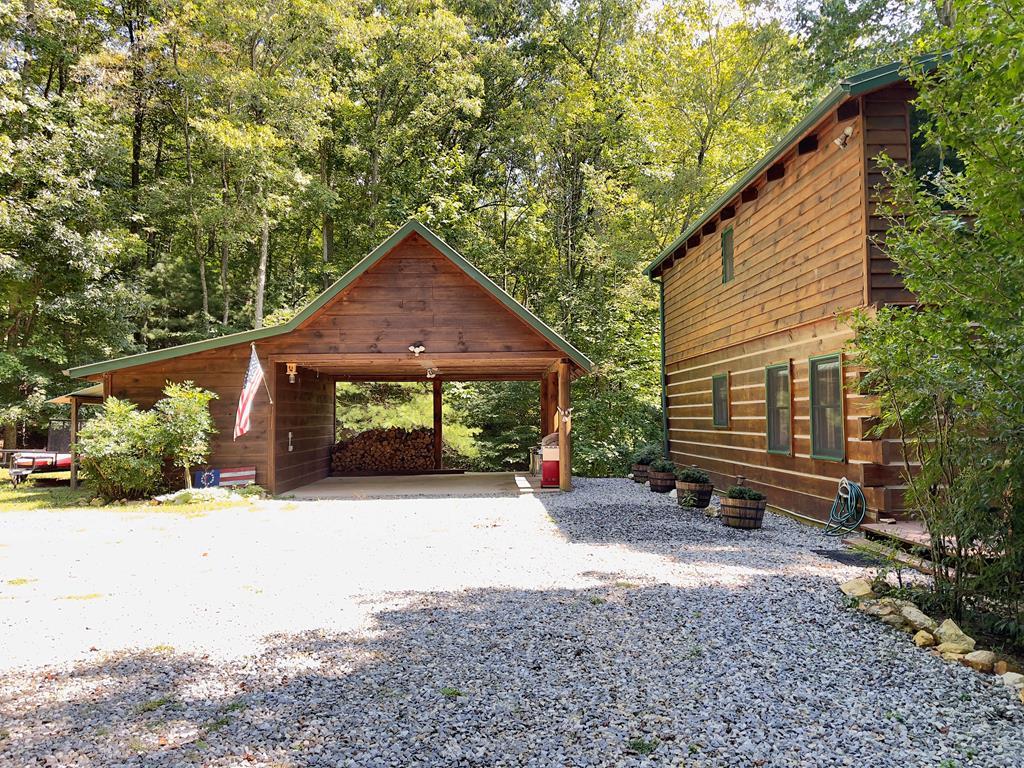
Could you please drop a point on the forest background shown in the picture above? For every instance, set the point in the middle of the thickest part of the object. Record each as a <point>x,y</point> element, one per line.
<point>172,170</point>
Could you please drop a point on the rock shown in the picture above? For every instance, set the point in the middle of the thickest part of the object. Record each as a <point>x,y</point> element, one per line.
<point>949,656</point>
<point>1005,665</point>
<point>857,588</point>
<point>896,621</point>
<point>1013,680</point>
<point>924,639</point>
<point>949,633</point>
<point>917,618</point>
<point>959,648</point>
<point>982,661</point>
<point>875,608</point>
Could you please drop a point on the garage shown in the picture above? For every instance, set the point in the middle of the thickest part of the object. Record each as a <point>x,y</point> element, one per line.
<point>412,310</point>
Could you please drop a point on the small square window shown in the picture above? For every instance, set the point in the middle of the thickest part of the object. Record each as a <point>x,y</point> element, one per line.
<point>720,400</point>
<point>828,434</point>
<point>727,270</point>
<point>777,397</point>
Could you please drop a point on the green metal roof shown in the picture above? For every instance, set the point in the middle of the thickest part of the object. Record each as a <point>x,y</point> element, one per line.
<point>855,85</point>
<point>412,225</point>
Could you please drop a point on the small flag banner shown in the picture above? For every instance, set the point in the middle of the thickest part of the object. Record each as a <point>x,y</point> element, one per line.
<point>211,478</point>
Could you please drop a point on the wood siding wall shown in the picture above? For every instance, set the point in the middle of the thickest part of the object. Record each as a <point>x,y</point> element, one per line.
<point>801,260</point>
<point>798,256</point>
<point>306,410</point>
<point>887,131</point>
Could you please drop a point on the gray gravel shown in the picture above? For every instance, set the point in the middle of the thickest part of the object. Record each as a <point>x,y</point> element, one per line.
<point>635,624</point>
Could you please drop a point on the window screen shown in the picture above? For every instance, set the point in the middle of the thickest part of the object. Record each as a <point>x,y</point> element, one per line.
<point>826,380</point>
<point>777,397</point>
<point>727,255</point>
<point>720,400</point>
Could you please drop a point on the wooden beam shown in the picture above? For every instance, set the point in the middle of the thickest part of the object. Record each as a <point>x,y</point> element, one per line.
<point>74,438</point>
<point>437,424</point>
<point>545,416</point>
<point>551,425</point>
<point>564,449</point>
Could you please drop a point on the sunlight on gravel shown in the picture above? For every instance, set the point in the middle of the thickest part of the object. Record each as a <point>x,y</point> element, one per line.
<point>552,631</point>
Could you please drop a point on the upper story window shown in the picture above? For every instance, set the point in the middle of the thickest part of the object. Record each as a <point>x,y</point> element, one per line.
<point>727,271</point>
<point>777,397</point>
<point>929,158</point>
<point>720,400</point>
<point>828,438</point>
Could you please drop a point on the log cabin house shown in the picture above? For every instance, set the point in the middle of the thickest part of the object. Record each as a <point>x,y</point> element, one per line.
<point>753,298</point>
<point>412,310</point>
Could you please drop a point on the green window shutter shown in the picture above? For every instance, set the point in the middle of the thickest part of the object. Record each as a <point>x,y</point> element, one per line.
<point>720,400</point>
<point>727,269</point>
<point>779,408</point>
<point>828,433</point>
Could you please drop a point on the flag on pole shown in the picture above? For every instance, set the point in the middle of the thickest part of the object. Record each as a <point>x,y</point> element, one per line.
<point>253,379</point>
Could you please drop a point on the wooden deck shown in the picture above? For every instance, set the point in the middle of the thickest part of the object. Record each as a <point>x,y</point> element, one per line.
<point>909,532</point>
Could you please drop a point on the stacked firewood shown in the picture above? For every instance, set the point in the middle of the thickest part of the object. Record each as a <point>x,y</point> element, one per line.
<point>385,450</point>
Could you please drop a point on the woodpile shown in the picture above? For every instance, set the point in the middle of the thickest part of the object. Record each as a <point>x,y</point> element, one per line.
<point>385,450</point>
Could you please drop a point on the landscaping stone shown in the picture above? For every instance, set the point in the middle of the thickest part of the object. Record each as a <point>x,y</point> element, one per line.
<point>1013,680</point>
<point>982,661</point>
<point>917,618</point>
<point>923,639</point>
<point>953,638</point>
<point>860,588</point>
<point>950,655</point>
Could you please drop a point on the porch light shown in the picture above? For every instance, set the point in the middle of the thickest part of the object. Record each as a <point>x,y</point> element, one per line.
<point>844,137</point>
<point>417,348</point>
<point>431,373</point>
<point>292,369</point>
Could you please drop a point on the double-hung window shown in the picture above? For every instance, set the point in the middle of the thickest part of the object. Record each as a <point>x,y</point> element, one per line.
<point>779,404</point>
<point>825,375</point>
<point>720,400</point>
<point>727,242</point>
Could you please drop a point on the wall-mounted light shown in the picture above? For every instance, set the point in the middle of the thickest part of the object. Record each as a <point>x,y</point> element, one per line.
<point>844,138</point>
<point>432,372</point>
<point>417,348</point>
<point>292,369</point>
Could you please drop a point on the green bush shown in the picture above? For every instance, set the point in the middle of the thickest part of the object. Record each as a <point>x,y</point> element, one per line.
<point>743,492</point>
<point>662,465</point>
<point>186,424</point>
<point>648,454</point>
<point>692,475</point>
<point>121,451</point>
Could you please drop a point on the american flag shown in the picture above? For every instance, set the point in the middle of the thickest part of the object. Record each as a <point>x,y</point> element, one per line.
<point>253,379</point>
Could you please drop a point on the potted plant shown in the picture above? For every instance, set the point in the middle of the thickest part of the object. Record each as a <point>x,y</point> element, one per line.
<point>693,488</point>
<point>743,507</point>
<point>662,474</point>
<point>642,460</point>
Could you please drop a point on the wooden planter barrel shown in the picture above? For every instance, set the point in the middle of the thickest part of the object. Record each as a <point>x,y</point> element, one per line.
<point>661,482</point>
<point>694,495</point>
<point>742,513</point>
<point>639,473</point>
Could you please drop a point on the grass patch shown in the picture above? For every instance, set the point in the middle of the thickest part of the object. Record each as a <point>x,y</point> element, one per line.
<point>451,693</point>
<point>626,585</point>
<point>642,746</point>
<point>154,704</point>
<point>235,706</point>
<point>216,725</point>
<point>595,600</point>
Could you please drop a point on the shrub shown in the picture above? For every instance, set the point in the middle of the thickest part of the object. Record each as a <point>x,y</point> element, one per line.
<point>743,492</point>
<point>692,475</point>
<point>647,454</point>
<point>184,415</point>
<point>662,465</point>
<point>121,451</point>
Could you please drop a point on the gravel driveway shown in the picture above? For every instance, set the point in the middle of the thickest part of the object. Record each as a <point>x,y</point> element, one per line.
<point>606,627</point>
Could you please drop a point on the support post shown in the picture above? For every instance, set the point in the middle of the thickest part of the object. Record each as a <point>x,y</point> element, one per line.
<point>437,424</point>
<point>564,428</point>
<point>551,423</point>
<point>545,410</point>
<point>74,439</point>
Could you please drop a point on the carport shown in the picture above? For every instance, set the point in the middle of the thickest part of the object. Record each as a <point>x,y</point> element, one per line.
<point>412,310</point>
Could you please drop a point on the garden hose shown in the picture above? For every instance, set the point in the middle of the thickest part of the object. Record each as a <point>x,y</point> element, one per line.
<point>847,510</point>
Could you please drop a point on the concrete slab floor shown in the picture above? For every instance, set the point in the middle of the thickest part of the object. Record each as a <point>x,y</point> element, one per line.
<point>469,484</point>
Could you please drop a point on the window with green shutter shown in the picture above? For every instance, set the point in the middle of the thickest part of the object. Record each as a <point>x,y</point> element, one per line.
<point>720,400</point>
<point>727,271</point>
<point>777,398</point>
<point>828,437</point>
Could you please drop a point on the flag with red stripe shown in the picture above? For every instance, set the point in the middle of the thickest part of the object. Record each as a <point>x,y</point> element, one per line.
<point>253,380</point>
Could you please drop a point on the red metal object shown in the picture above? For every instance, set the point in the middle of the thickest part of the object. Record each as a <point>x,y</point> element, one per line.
<point>549,474</point>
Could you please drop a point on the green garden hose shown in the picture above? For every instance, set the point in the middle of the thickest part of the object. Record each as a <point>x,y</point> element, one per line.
<point>847,510</point>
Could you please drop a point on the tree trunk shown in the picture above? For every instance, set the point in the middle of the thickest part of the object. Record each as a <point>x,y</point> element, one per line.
<point>327,222</point>
<point>224,254</point>
<point>261,274</point>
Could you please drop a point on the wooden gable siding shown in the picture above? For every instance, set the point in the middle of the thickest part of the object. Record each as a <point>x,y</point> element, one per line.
<point>798,255</point>
<point>887,131</point>
<point>306,410</point>
<point>413,294</point>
